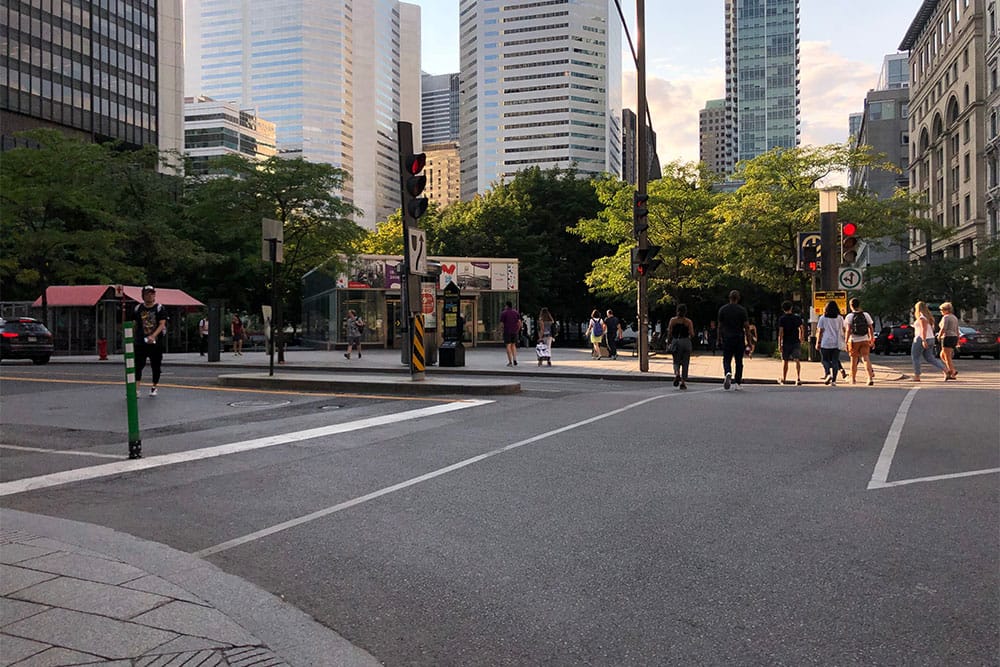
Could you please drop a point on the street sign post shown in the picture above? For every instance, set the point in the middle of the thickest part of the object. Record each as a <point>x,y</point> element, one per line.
<point>417,240</point>
<point>849,278</point>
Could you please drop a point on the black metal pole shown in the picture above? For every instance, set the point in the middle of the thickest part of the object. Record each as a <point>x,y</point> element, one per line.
<point>274,303</point>
<point>642,178</point>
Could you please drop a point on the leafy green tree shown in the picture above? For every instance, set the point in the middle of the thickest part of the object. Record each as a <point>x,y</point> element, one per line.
<point>680,223</point>
<point>891,289</point>
<point>224,213</point>
<point>527,218</point>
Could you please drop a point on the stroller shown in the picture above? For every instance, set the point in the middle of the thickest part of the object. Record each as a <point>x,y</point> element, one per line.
<point>543,353</point>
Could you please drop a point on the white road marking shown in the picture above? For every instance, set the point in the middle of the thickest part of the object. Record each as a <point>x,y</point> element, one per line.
<point>881,472</point>
<point>880,475</point>
<point>68,452</point>
<point>133,465</point>
<point>271,530</point>
<point>935,478</point>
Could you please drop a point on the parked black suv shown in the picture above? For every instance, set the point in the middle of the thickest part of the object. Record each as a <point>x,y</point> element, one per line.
<point>894,339</point>
<point>25,338</point>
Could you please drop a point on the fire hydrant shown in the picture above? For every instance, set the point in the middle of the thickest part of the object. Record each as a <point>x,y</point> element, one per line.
<point>102,349</point>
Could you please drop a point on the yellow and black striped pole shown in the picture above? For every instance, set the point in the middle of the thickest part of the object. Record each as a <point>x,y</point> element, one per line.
<point>131,395</point>
<point>417,350</point>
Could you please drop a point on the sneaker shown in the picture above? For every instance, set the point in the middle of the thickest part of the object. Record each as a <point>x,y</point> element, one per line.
<point>359,355</point>
<point>828,380</point>
<point>684,386</point>
<point>347,356</point>
<point>843,374</point>
<point>509,364</point>
<point>833,383</point>
<point>728,381</point>
<point>781,381</point>
<point>798,383</point>
<point>871,381</point>
<point>677,380</point>
<point>738,387</point>
<point>515,362</point>
<point>152,391</point>
<point>550,363</point>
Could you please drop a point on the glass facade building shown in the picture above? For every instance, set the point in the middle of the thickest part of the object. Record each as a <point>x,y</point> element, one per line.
<point>99,70</point>
<point>439,108</point>
<point>762,77</point>
<point>297,63</point>
<point>540,86</point>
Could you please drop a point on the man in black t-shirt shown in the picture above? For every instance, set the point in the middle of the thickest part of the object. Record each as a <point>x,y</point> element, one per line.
<point>150,323</point>
<point>613,328</point>
<point>791,334</point>
<point>734,334</point>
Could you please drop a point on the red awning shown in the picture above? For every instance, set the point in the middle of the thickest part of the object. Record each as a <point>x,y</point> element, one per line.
<point>60,296</point>
<point>166,296</point>
<point>73,295</point>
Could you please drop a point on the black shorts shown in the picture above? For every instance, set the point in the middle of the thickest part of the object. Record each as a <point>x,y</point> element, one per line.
<point>791,352</point>
<point>511,338</point>
<point>950,342</point>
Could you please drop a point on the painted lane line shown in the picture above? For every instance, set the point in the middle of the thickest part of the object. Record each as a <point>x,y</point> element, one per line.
<point>881,472</point>
<point>240,390</point>
<point>133,465</point>
<point>318,514</point>
<point>68,452</point>
<point>935,478</point>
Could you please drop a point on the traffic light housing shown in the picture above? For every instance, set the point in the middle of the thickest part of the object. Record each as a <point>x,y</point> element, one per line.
<point>810,259</point>
<point>414,183</point>
<point>644,262</point>
<point>849,243</point>
<point>640,213</point>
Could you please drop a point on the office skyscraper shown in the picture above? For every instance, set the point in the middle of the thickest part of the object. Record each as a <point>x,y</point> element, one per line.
<point>712,137</point>
<point>328,74</point>
<point>762,83</point>
<point>540,87</point>
<point>439,108</point>
<point>97,71</point>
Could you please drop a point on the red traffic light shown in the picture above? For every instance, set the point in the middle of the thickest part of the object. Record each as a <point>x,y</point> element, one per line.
<point>849,229</point>
<point>415,163</point>
<point>812,266</point>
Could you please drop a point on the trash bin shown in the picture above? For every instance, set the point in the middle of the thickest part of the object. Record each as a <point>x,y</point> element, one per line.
<point>451,354</point>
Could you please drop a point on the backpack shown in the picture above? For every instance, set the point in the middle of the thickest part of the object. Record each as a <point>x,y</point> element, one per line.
<point>598,327</point>
<point>859,324</point>
<point>360,324</point>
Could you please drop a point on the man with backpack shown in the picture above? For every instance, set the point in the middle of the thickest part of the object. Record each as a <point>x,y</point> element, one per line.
<point>860,337</point>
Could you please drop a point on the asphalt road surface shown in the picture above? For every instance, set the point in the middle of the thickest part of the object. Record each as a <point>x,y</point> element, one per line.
<point>581,522</point>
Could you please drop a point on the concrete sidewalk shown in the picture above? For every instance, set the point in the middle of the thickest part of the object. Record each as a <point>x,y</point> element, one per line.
<point>73,593</point>
<point>487,363</point>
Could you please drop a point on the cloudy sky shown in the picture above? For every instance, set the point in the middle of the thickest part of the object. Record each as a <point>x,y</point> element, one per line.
<point>843,43</point>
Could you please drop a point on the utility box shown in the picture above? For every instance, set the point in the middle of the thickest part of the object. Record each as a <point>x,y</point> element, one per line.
<point>452,352</point>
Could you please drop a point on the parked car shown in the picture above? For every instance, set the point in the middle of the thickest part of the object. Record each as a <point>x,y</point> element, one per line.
<point>25,338</point>
<point>975,343</point>
<point>897,339</point>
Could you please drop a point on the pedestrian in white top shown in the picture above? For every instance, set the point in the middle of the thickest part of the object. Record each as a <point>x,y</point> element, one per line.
<point>829,340</point>
<point>923,341</point>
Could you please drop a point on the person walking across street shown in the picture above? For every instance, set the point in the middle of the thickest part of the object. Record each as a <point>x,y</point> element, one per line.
<point>236,329</point>
<point>613,334</point>
<point>596,329</point>
<point>791,334</point>
<point>203,336</point>
<point>860,334</point>
<point>547,331</point>
<point>734,334</point>
<point>681,332</point>
<point>150,324</point>
<point>829,339</point>
<point>355,325</point>
<point>510,320</point>
<point>923,341</point>
<point>948,335</point>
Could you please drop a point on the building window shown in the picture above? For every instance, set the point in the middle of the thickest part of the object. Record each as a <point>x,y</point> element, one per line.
<point>967,164</point>
<point>968,208</point>
<point>904,138</point>
<point>965,131</point>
